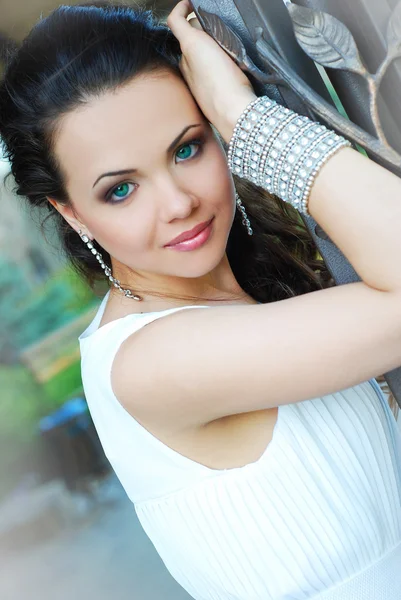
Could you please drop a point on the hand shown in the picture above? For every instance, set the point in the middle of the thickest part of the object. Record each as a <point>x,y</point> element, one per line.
<point>218,85</point>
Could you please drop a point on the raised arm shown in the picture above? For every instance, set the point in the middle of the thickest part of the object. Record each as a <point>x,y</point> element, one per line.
<point>356,202</point>
<point>195,366</point>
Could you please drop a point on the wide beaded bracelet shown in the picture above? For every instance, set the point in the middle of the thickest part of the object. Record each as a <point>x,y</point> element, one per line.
<point>280,150</point>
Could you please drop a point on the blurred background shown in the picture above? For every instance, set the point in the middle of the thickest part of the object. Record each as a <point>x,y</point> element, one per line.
<point>66,526</point>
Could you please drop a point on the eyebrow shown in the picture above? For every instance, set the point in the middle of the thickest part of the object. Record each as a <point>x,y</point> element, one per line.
<point>130,171</point>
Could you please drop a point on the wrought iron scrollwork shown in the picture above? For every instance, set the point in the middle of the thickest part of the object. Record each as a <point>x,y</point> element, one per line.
<point>328,42</point>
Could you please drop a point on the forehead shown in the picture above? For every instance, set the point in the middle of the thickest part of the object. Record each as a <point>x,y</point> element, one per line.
<point>130,124</point>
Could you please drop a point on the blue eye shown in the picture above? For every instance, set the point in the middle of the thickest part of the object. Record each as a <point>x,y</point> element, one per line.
<point>120,193</point>
<point>186,152</point>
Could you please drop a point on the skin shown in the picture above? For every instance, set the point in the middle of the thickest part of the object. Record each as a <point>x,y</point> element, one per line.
<point>130,128</point>
<point>170,192</point>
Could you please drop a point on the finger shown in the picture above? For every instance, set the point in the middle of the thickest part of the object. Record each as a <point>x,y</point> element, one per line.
<point>177,20</point>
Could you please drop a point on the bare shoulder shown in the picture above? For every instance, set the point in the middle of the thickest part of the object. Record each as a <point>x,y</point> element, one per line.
<point>192,367</point>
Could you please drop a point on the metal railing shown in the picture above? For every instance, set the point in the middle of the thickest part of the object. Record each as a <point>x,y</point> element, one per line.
<point>279,45</point>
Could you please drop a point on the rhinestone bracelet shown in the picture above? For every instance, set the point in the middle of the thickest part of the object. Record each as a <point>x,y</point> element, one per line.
<point>281,151</point>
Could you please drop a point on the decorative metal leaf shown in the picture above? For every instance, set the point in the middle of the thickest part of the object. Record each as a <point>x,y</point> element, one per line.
<point>325,39</point>
<point>227,39</point>
<point>394,28</point>
<point>232,44</point>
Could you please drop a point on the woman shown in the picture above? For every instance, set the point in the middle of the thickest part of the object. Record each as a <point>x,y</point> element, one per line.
<point>260,455</point>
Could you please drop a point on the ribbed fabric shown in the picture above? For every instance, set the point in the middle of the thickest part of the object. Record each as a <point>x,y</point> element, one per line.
<point>318,516</point>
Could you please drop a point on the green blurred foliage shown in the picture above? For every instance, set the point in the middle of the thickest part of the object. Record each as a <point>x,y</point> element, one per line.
<point>64,385</point>
<point>22,401</point>
<point>29,316</point>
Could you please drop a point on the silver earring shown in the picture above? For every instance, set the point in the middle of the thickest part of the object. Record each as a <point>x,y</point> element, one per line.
<point>107,270</point>
<point>245,219</point>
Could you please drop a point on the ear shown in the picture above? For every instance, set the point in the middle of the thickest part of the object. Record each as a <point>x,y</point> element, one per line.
<point>68,213</point>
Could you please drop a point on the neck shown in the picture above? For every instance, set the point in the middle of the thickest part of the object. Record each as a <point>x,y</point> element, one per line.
<point>217,287</point>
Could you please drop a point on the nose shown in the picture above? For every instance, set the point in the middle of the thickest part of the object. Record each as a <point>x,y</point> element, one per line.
<point>176,202</point>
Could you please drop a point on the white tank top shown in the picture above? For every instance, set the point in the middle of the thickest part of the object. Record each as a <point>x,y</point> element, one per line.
<point>318,516</point>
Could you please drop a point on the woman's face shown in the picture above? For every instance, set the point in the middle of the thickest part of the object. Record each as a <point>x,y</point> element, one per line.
<point>141,167</point>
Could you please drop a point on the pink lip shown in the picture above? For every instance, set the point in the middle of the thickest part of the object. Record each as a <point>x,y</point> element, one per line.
<point>194,242</point>
<point>188,235</point>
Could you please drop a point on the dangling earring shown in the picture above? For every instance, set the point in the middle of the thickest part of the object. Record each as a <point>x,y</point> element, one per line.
<point>245,219</point>
<point>107,270</point>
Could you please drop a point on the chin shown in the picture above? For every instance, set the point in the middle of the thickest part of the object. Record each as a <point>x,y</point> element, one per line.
<point>202,265</point>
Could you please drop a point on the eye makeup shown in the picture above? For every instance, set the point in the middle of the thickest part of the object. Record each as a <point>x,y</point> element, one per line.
<point>198,143</point>
<point>119,187</point>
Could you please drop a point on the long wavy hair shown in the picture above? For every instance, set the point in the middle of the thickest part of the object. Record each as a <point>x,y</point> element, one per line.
<point>81,51</point>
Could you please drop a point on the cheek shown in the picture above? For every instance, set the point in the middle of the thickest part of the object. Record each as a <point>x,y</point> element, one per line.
<point>119,233</point>
<point>217,178</point>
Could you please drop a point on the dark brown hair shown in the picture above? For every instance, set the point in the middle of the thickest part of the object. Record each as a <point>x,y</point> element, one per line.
<point>85,50</point>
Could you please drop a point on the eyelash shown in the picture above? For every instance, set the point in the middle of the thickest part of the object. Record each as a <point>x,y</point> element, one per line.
<point>196,142</point>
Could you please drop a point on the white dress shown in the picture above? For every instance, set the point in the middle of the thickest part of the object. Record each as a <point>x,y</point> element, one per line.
<point>318,516</point>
